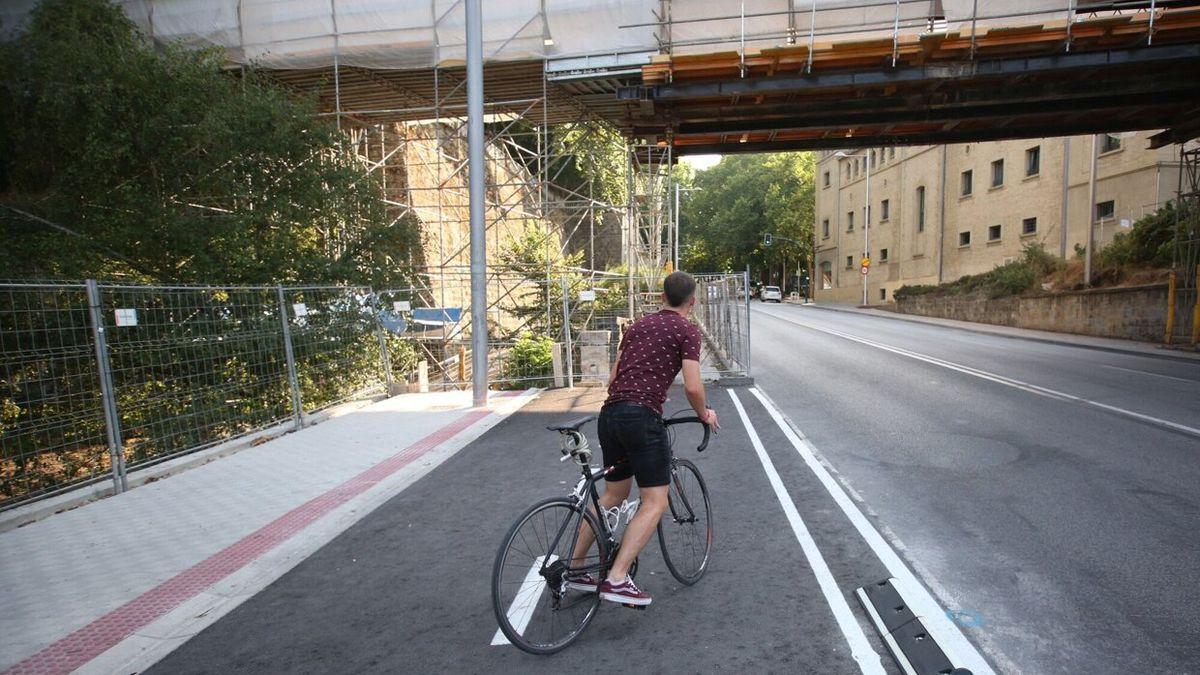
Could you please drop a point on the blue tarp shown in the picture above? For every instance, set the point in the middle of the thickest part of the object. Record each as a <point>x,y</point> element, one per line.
<point>437,316</point>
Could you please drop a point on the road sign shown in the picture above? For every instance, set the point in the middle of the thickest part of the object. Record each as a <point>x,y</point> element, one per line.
<point>866,262</point>
<point>865,269</point>
<point>587,296</point>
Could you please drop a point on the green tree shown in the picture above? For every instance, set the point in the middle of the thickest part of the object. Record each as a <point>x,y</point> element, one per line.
<point>119,157</point>
<point>742,198</point>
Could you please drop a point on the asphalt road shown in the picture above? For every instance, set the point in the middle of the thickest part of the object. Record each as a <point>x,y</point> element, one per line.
<point>406,589</point>
<point>1048,493</point>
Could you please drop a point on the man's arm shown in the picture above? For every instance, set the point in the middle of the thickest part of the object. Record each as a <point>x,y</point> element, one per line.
<point>693,386</point>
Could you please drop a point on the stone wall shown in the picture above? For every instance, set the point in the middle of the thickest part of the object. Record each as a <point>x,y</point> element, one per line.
<point>1135,313</point>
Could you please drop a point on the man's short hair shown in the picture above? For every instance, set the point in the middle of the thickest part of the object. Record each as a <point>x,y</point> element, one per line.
<point>678,287</point>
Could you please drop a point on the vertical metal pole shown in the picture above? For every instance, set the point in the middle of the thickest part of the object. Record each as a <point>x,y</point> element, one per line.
<point>867,224</point>
<point>1150,28</point>
<point>384,357</point>
<point>1091,213</point>
<point>1196,308</point>
<point>675,252</point>
<point>1066,189</point>
<point>632,223</point>
<point>293,380</point>
<point>570,349</point>
<point>1170,331</point>
<point>895,35</point>
<point>112,422</point>
<point>974,18</point>
<point>479,354</point>
<point>746,286</point>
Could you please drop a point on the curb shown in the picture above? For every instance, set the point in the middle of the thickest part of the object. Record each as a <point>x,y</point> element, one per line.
<point>1165,355</point>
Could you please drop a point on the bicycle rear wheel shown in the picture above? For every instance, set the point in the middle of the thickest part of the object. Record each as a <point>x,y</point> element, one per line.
<point>538,611</point>
<point>685,531</point>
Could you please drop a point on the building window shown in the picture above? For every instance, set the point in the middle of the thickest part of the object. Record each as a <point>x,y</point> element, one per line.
<point>994,233</point>
<point>966,183</point>
<point>1033,161</point>
<point>998,173</point>
<point>1110,143</point>
<point>964,238</point>
<point>826,275</point>
<point>885,210</point>
<point>921,209</point>
<point>1029,226</point>
<point>825,228</point>
<point>872,162</point>
<point>849,221</point>
<point>849,262</point>
<point>847,170</point>
<point>857,167</point>
<point>1105,210</point>
<point>883,294</point>
<point>891,153</point>
<point>826,179</point>
<point>883,257</point>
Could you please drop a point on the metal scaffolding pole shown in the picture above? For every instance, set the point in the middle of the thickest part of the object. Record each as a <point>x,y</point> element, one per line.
<point>475,141</point>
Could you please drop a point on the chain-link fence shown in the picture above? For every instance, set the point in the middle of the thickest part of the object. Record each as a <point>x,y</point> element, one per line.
<point>723,314</point>
<point>99,379</point>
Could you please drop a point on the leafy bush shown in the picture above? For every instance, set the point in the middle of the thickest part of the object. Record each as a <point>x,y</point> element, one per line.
<point>530,362</point>
<point>1011,279</point>
<point>1042,262</point>
<point>906,291</point>
<point>1147,244</point>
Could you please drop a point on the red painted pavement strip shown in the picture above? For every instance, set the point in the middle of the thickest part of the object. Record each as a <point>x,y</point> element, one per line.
<point>99,636</point>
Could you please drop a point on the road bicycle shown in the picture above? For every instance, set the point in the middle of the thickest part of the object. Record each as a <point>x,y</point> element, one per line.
<point>536,605</point>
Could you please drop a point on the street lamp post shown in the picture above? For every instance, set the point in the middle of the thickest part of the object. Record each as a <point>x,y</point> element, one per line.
<point>866,215</point>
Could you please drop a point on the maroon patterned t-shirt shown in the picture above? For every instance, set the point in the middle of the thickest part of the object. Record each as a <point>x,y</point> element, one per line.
<point>652,353</point>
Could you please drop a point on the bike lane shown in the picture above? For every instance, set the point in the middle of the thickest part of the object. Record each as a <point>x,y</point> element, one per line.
<point>408,587</point>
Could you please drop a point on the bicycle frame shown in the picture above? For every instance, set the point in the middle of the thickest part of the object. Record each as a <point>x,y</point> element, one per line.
<point>586,489</point>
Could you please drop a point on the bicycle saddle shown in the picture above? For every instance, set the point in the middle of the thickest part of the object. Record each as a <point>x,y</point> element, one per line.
<point>572,425</point>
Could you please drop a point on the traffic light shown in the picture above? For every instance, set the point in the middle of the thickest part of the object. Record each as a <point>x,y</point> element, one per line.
<point>767,239</point>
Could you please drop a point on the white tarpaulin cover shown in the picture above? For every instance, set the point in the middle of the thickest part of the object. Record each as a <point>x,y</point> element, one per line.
<point>387,34</point>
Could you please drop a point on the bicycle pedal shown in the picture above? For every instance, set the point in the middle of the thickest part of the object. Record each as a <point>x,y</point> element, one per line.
<point>641,607</point>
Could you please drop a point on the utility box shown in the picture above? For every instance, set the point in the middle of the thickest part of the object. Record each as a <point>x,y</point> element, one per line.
<point>594,361</point>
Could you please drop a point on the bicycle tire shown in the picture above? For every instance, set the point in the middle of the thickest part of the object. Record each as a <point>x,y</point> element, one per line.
<point>694,538</point>
<point>533,600</point>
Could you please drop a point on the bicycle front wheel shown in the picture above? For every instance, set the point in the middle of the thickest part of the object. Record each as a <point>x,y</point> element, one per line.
<point>685,531</point>
<point>538,608</point>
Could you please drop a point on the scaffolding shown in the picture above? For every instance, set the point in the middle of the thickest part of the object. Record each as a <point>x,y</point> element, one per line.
<point>1186,256</point>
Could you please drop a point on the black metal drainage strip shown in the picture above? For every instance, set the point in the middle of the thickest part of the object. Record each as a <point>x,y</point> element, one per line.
<point>911,645</point>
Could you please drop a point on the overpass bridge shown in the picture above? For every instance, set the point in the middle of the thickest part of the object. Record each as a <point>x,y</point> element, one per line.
<point>702,77</point>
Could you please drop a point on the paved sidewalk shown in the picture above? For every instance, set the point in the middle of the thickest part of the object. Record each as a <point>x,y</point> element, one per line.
<point>137,574</point>
<point>1087,341</point>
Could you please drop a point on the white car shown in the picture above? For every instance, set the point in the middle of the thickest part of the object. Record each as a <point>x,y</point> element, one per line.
<point>770,293</point>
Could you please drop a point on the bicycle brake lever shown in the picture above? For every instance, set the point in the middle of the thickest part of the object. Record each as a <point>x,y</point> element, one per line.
<point>564,458</point>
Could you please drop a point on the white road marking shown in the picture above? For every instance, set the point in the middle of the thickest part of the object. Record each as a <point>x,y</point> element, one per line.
<point>1000,379</point>
<point>1143,372</point>
<point>860,648</point>
<point>948,636</point>
<point>521,610</point>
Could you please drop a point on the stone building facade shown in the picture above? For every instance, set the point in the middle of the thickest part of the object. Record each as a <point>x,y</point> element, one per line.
<point>941,212</point>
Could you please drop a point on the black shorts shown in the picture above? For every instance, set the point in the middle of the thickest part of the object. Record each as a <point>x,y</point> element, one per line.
<point>635,441</point>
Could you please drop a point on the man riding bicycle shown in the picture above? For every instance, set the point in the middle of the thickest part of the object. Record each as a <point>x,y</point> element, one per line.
<point>632,436</point>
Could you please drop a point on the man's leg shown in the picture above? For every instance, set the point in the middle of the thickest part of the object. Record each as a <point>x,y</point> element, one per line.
<point>637,533</point>
<point>614,493</point>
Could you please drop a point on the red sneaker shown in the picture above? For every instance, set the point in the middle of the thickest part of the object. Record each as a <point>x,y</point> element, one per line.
<point>625,592</point>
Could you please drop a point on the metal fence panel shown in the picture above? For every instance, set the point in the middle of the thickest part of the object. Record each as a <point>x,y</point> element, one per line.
<point>336,344</point>
<point>52,432</point>
<point>193,366</point>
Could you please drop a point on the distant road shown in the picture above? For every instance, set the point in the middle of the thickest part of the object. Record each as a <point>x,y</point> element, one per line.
<point>1050,492</point>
